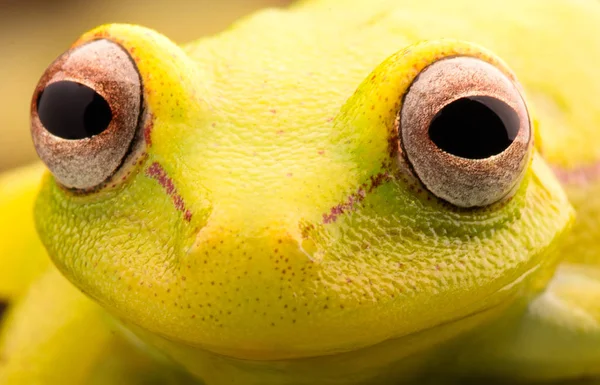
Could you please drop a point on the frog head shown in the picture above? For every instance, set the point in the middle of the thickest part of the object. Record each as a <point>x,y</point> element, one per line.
<point>265,200</point>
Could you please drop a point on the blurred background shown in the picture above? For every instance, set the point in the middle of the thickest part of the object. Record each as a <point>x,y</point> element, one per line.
<point>35,32</point>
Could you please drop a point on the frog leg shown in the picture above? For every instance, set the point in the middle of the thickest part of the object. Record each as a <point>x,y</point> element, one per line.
<point>554,336</point>
<point>56,335</point>
<point>22,256</point>
<point>559,335</point>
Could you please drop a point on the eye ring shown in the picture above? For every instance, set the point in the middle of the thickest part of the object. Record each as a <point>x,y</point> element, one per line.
<point>465,96</point>
<point>85,112</point>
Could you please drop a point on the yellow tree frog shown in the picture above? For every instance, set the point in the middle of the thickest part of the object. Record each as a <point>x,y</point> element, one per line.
<point>341,192</point>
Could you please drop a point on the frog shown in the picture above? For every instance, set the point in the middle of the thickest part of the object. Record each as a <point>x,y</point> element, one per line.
<point>336,192</point>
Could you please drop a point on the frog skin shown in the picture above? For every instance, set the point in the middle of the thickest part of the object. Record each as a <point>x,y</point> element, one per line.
<point>272,205</point>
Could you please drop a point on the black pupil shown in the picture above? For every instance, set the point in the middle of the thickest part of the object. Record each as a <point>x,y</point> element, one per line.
<point>71,110</point>
<point>474,127</point>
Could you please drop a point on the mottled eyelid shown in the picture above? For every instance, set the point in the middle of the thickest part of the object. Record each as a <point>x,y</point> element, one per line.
<point>85,112</point>
<point>465,131</point>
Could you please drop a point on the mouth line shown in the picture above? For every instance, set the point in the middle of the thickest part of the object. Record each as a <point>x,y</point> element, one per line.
<point>404,345</point>
<point>398,342</point>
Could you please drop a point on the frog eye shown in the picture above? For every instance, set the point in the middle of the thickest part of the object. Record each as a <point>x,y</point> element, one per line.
<point>465,131</point>
<point>85,112</point>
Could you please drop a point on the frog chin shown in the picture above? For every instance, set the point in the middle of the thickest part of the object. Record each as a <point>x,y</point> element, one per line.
<point>175,328</point>
<point>417,342</point>
<point>398,356</point>
<point>179,340</point>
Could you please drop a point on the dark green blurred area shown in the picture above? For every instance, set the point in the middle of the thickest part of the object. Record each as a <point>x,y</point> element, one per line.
<point>34,32</point>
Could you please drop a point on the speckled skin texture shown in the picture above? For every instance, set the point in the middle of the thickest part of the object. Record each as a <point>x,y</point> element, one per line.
<point>266,229</point>
<point>463,182</point>
<point>88,163</point>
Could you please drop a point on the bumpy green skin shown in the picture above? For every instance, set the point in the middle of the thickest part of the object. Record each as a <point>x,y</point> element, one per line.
<point>267,234</point>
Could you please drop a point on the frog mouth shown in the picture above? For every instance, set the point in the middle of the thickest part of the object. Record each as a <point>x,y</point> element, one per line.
<point>392,358</point>
<point>390,351</point>
<point>425,332</point>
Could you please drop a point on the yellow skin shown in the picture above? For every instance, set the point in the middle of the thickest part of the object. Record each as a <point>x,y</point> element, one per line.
<point>265,129</point>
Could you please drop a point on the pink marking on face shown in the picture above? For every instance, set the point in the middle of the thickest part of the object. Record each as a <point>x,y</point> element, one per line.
<point>156,171</point>
<point>148,132</point>
<point>581,175</point>
<point>355,198</point>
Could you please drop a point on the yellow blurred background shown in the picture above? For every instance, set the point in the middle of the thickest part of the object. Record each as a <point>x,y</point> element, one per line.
<point>35,32</point>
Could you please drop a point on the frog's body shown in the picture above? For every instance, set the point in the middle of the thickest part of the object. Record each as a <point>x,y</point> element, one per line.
<point>261,231</point>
